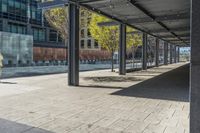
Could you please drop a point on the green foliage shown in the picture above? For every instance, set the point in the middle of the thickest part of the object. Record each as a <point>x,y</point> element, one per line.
<point>108,36</point>
<point>58,19</point>
<point>133,40</point>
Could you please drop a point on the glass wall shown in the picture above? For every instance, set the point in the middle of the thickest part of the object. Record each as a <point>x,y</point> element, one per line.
<point>16,49</point>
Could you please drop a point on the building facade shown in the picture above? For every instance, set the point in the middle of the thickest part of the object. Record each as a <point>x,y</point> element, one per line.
<point>23,17</point>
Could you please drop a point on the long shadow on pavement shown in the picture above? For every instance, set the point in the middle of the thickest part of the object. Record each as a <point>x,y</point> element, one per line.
<point>172,85</point>
<point>7,126</point>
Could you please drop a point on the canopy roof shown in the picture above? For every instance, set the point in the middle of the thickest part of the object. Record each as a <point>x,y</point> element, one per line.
<point>168,20</point>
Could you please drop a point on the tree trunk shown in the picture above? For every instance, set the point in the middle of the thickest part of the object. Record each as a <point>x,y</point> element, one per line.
<point>112,61</point>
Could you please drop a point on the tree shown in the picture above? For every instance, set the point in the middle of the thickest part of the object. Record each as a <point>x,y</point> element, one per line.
<point>58,18</point>
<point>108,36</point>
<point>134,41</point>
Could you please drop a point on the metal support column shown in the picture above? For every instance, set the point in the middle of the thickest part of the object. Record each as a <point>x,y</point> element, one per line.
<point>73,46</point>
<point>171,54</point>
<point>144,52</point>
<point>175,54</point>
<point>165,53</point>
<point>122,49</point>
<point>178,54</point>
<point>195,67</point>
<point>157,52</point>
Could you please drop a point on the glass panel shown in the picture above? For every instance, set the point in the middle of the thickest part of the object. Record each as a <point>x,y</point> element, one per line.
<point>53,36</point>
<point>89,43</point>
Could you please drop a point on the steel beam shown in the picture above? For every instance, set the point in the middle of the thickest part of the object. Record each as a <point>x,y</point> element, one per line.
<point>124,22</point>
<point>170,17</point>
<point>165,53</point>
<point>158,31</point>
<point>170,36</point>
<point>177,29</point>
<point>146,12</point>
<point>157,52</point>
<point>122,49</point>
<point>144,52</point>
<point>73,48</point>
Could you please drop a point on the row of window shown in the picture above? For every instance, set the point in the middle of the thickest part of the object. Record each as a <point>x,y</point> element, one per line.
<point>21,8</point>
<point>18,7</point>
<point>88,45</point>
<point>39,34</point>
<point>16,28</point>
<point>85,33</point>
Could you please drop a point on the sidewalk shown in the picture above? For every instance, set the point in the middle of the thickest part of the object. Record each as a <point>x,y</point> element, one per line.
<point>149,101</point>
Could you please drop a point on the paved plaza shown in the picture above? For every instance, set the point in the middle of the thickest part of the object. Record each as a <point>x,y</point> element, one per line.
<point>151,101</point>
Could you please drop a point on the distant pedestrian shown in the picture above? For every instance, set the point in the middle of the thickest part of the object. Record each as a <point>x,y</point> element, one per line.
<point>1,63</point>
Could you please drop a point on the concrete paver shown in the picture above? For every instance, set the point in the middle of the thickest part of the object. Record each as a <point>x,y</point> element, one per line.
<point>133,104</point>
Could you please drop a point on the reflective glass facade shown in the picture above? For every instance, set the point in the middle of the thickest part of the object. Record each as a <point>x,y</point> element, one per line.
<point>23,17</point>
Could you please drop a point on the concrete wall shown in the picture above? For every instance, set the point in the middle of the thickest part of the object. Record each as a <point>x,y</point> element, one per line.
<point>17,49</point>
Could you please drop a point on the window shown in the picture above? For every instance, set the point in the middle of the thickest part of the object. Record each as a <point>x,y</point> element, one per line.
<point>16,28</point>
<point>1,26</point>
<point>88,33</point>
<point>35,14</point>
<point>53,36</point>
<point>82,23</point>
<point>38,34</point>
<point>96,45</point>
<point>82,43</point>
<point>4,5</point>
<point>82,13</point>
<point>82,33</point>
<point>89,43</point>
<point>60,38</point>
<point>88,20</point>
<point>41,35</point>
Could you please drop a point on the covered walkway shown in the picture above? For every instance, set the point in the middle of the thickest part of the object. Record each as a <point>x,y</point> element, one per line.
<point>176,22</point>
<point>153,100</point>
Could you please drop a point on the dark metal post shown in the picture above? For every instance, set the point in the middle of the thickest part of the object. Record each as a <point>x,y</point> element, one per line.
<point>195,67</point>
<point>175,54</point>
<point>122,49</point>
<point>165,53</point>
<point>73,46</point>
<point>144,52</point>
<point>178,54</point>
<point>157,52</point>
<point>171,54</point>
